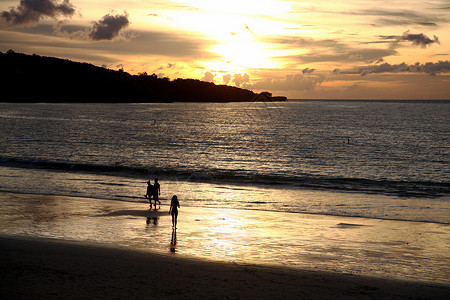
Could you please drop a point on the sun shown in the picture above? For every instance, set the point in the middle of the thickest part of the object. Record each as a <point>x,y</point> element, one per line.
<point>242,51</point>
<point>235,28</point>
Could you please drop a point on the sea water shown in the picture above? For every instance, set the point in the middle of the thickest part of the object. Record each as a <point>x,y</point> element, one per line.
<point>376,159</point>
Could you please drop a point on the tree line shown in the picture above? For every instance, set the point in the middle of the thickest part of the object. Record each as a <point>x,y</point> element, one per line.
<point>34,78</point>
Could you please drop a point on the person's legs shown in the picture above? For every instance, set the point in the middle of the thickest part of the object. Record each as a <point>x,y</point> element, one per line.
<point>176,219</point>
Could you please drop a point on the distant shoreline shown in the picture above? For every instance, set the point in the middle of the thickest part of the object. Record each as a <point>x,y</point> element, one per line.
<point>34,78</point>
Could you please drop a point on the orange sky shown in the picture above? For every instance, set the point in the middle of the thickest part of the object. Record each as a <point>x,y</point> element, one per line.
<point>301,49</point>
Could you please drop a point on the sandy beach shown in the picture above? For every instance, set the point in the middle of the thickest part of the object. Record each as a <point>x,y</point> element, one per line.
<point>65,247</point>
<point>43,269</point>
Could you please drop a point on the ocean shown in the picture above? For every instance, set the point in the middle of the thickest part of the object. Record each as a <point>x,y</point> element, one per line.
<point>371,159</point>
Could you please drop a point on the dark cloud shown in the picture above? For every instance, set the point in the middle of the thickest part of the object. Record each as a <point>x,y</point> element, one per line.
<point>109,27</point>
<point>419,39</point>
<point>427,68</point>
<point>31,11</point>
<point>308,71</point>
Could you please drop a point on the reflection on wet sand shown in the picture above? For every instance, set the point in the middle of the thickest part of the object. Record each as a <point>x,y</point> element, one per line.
<point>173,241</point>
<point>396,249</point>
<point>153,220</point>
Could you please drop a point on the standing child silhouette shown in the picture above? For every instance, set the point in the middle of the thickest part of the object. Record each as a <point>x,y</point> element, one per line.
<point>174,205</point>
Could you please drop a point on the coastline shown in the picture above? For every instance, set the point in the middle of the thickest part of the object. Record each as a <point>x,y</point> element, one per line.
<point>42,268</point>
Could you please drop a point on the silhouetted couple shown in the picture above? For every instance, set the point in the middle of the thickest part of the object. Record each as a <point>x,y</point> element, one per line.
<point>153,191</point>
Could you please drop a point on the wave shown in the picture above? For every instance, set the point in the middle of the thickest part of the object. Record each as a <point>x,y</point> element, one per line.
<point>400,188</point>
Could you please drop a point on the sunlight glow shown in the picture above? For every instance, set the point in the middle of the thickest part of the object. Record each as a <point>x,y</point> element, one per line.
<point>255,7</point>
<point>243,52</point>
<point>325,41</point>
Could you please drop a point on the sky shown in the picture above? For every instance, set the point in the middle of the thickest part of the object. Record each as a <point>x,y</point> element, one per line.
<point>366,49</point>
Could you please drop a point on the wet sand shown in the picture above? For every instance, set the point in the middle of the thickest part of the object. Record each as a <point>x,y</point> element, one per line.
<point>42,269</point>
<point>55,247</point>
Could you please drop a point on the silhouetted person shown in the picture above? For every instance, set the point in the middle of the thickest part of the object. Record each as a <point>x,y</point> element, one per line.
<point>174,204</point>
<point>156,191</point>
<point>150,189</point>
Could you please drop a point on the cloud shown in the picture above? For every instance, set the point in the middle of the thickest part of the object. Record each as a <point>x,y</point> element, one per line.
<point>399,22</point>
<point>169,66</point>
<point>226,78</point>
<point>427,68</point>
<point>430,17</point>
<point>420,39</point>
<point>306,42</point>
<point>308,71</point>
<point>330,50</point>
<point>208,77</point>
<point>32,11</point>
<point>71,32</point>
<point>354,55</point>
<point>403,17</point>
<point>240,79</point>
<point>172,46</point>
<point>291,82</point>
<point>417,39</point>
<point>399,17</point>
<point>109,27</point>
